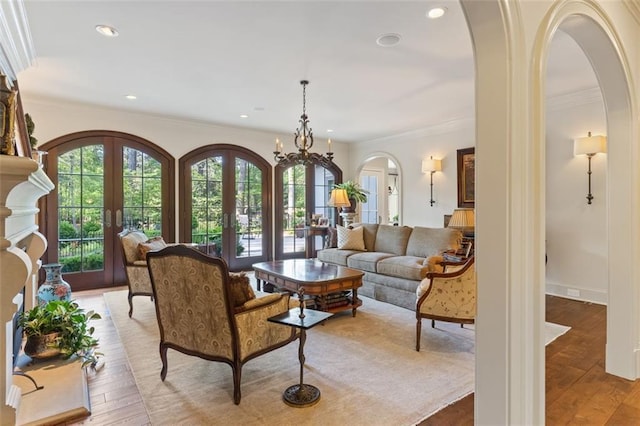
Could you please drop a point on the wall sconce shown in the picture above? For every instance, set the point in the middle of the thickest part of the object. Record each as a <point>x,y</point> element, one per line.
<point>590,146</point>
<point>431,166</point>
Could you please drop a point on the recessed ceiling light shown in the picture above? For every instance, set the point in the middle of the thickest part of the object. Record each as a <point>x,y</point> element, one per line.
<point>329,130</point>
<point>244,116</point>
<point>107,31</point>
<point>131,97</point>
<point>436,12</point>
<point>387,40</point>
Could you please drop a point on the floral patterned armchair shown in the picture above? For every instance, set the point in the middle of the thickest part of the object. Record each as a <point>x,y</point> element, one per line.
<point>447,296</point>
<point>197,314</point>
<point>135,267</point>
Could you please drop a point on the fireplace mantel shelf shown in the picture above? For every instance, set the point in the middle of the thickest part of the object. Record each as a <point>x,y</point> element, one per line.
<point>22,183</point>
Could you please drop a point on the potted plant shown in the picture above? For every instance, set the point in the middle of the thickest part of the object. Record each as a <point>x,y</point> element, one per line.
<point>355,193</point>
<point>60,327</point>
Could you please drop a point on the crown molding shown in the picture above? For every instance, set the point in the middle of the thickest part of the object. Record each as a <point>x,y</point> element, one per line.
<point>16,45</point>
<point>634,8</point>
<point>575,99</point>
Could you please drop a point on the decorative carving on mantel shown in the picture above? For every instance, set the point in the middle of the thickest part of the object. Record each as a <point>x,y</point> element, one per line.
<point>22,183</point>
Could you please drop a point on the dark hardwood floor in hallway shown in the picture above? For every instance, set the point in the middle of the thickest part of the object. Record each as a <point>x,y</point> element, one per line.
<point>578,391</point>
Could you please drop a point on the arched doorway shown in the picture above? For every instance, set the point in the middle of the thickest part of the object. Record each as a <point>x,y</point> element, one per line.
<point>510,198</point>
<point>380,174</point>
<point>105,182</point>
<point>225,203</point>
<point>301,192</point>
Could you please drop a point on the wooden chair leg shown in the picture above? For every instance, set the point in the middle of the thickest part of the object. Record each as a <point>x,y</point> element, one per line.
<point>433,323</point>
<point>418,332</point>
<point>129,298</point>
<point>163,357</point>
<point>237,373</point>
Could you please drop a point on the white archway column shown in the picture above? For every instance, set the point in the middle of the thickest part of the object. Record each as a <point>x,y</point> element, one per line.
<point>509,348</point>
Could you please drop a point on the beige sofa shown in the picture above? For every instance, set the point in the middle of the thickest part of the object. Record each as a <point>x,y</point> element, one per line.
<point>395,260</point>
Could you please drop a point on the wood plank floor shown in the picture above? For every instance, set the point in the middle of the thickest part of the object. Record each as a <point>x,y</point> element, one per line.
<point>578,391</point>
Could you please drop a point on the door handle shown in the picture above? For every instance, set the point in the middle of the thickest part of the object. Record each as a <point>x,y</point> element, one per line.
<point>107,218</point>
<point>225,221</point>
<point>118,218</point>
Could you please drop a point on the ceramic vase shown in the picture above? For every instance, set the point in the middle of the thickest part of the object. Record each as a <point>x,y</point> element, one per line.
<point>53,287</point>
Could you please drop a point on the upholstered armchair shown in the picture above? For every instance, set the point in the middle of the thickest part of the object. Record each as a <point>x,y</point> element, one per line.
<point>198,312</point>
<point>447,296</point>
<point>135,264</point>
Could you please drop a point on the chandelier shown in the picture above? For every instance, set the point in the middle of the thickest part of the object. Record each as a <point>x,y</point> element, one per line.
<point>303,141</point>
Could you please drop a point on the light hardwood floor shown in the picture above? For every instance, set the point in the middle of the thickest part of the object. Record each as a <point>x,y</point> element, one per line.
<point>578,391</point>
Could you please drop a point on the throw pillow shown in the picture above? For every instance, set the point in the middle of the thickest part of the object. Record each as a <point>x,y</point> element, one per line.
<point>241,291</point>
<point>156,243</point>
<point>351,239</point>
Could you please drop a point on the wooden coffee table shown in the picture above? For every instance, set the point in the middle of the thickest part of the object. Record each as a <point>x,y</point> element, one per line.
<point>318,279</point>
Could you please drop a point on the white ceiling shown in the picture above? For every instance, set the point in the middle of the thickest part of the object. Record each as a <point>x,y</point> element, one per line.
<point>215,60</point>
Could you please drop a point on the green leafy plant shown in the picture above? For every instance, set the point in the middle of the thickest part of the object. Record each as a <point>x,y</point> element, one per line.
<point>70,321</point>
<point>354,190</point>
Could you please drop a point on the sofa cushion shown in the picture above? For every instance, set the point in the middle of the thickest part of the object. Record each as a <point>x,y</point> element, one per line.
<point>366,261</point>
<point>409,267</point>
<point>425,242</point>
<point>370,231</point>
<point>335,255</point>
<point>392,239</point>
<point>351,239</point>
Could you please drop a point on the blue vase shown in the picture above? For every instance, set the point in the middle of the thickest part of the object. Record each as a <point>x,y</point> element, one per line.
<point>53,287</point>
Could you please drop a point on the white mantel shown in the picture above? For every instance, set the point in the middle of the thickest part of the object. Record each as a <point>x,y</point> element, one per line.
<point>22,183</point>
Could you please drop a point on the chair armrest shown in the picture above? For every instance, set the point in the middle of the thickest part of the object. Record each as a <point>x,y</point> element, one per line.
<point>255,332</point>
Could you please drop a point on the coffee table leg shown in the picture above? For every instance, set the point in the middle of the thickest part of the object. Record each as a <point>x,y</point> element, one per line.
<point>301,395</point>
<point>354,296</point>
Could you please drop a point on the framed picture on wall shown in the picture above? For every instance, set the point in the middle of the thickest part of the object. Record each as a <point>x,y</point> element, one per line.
<point>466,177</point>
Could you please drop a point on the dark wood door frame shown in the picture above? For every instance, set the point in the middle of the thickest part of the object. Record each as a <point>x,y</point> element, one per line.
<point>113,140</point>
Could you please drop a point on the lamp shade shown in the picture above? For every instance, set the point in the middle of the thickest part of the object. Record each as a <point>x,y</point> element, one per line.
<point>431,165</point>
<point>339,198</point>
<point>463,218</point>
<point>589,145</point>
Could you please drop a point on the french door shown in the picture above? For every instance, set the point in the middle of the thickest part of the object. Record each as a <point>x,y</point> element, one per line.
<point>302,195</point>
<point>105,182</point>
<point>225,204</point>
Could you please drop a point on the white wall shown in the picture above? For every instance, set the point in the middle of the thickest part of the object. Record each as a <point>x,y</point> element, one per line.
<point>54,119</point>
<point>410,149</point>
<point>576,232</point>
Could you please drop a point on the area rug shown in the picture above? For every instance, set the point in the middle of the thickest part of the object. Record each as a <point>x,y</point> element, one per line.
<point>553,331</point>
<point>366,368</point>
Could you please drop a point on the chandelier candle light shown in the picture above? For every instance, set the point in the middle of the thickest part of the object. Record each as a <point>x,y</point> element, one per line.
<point>303,141</point>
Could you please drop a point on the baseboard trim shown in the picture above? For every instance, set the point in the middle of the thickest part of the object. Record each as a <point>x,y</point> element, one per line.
<point>577,293</point>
